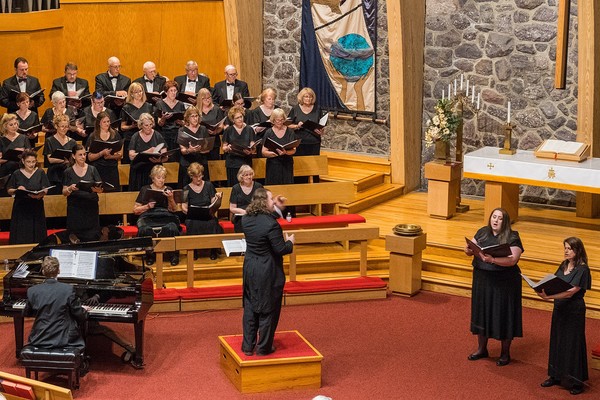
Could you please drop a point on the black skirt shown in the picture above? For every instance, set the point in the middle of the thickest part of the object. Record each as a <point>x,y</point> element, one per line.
<point>496,310</point>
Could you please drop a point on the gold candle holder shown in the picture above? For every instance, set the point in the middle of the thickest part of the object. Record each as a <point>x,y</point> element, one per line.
<point>508,149</point>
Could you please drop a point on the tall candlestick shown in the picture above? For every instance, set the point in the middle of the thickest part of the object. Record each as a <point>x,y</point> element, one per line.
<point>508,116</point>
<point>462,76</point>
<point>478,98</point>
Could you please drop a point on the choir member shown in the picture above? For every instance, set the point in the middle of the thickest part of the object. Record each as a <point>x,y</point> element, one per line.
<point>135,105</point>
<point>60,140</point>
<point>59,106</point>
<point>191,153</point>
<point>90,113</point>
<point>280,163</point>
<point>21,82</point>
<point>105,161</point>
<point>224,90</point>
<point>113,83</point>
<point>11,140</point>
<point>151,81</point>
<point>70,84</point>
<point>214,116</point>
<point>27,118</point>
<point>145,140</point>
<point>237,134</point>
<point>241,195</point>
<point>165,110</point>
<point>192,82</point>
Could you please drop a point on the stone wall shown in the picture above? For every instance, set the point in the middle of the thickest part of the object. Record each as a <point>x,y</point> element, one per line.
<point>281,70</point>
<point>508,48</point>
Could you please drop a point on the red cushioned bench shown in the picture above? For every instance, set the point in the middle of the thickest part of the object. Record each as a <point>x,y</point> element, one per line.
<point>5,236</point>
<point>323,221</point>
<point>132,230</point>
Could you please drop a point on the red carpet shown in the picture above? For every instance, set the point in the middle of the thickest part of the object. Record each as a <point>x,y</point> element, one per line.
<point>397,348</point>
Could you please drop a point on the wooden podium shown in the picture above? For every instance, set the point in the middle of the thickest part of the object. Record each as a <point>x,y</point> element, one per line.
<point>405,262</point>
<point>443,188</point>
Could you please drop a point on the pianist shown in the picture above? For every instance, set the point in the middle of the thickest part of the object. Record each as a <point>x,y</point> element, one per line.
<point>58,312</point>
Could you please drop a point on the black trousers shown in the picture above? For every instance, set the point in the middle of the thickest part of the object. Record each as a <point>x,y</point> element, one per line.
<point>263,324</point>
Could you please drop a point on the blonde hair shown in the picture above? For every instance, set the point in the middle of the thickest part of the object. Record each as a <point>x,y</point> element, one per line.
<point>135,85</point>
<point>244,169</point>
<point>6,118</point>
<point>265,93</point>
<point>308,91</point>
<point>277,113</point>
<point>158,170</point>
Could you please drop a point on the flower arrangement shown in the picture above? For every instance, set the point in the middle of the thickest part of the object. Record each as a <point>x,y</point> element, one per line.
<point>443,124</point>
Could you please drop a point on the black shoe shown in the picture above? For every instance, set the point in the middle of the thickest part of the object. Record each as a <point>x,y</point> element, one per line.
<point>248,353</point>
<point>150,259</point>
<point>175,259</point>
<point>196,254</point>
<point>477,356</point>
<point>213,254</point>
<point>550,382</point>
<point>502,361</point>
<point>261,353</point>
<point>576,389</point>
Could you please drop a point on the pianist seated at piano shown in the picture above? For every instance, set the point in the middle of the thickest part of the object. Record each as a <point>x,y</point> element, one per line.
<point>157,217</point>
<point>83,212</point>
<point>58,312</point>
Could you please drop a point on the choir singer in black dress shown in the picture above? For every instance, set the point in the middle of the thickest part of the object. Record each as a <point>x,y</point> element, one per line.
<point>262,273</point>
<point>496,294</point>
<point>135,106</point>
<point>57,166</point>
<point>28,218</point>
<point>241,195</point>
<point>146,140</point>
<point>280,163</point>
<point>567,361</point>
<point>106,161</point>
<point>238,144</point>
<point>27,118</point>
<point>191,153</point>
<point>83,218</point>
<point>11,140</point>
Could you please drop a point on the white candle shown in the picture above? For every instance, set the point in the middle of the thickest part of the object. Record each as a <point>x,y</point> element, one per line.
<point>442,94</point>
<point>449,90</point>
<point>508,116</point>
<point>455,86</point>
<point>478,99</point>
<point>467,92</point>
<point>473,95</point>
<point>462,76</point>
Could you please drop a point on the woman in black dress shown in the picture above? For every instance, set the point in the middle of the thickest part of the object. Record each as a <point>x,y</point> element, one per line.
<point>191,154</point>
<point>263,276</point>
<point>82,205</point>
<point>145,140</point>
<point>26,117</point>
<point>57,166</point>
<point>59,107</point>
<point>280,163</point>
<point>306,110</point>
<point>157,218</point>
<point>496,295</point>
<point>567,362</point>
<point>105,161</point>
<point>212,115</point>
<point>135,105</point>
<point>239,135</point>
<point>89,116</point>
<point>262,113</point>
<point>11,140</point>
<point>28,219</point>
<point>165,111</point>
<point>241,195</point>
<point>199,193</point>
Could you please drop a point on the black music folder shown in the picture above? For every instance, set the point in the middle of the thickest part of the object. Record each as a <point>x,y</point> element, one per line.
<point>499,250</point>
<point>173,117</point>
<point>87,186</point>
<point>264,125</point>
<point>160,198</point>
<point>239,150</point>
<point>31,130</point>
<point>187,98</point>
<point>272,145</point>
<point>551,284</point>
<point>312,126</point>
<point>153,97</point>
<point>204,213</point>
<point>145,157</point>
<point>98,145</point>
<point>12,155</point>
<point>26,192</point>
<point>61,154</point>
<point>186,140</point>
<point>212,127</point>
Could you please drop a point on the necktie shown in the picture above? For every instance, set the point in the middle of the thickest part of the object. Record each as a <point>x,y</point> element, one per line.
<point>149,81</point>
<point>230,84</point>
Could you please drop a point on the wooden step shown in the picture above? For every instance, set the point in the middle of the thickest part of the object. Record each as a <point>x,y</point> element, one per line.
<point>363,180</point>
<point>359,162</point>
<point>372,197</point>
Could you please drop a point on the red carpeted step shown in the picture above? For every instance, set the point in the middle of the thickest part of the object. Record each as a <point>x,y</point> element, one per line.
<point>210,292</point>
<point>323,221</point>
<point>596,350</point>
<point>333,285</point>
<point>166,295</point>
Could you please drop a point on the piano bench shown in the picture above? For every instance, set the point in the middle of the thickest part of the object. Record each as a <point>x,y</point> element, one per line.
<point>68,360</point>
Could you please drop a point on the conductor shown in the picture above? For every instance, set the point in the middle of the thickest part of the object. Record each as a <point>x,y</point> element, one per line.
<point>58,312</point>
<point>263,273</point>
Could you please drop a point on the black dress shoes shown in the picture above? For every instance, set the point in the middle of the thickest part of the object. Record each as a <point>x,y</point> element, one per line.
<point>266,353</point>
<point>477,356</point>
<point>576,389</point>
<point>502,361</point>
<point>175,259</point>
<point>150,259</point>
<point>550,382</point>
<point>213,254</point>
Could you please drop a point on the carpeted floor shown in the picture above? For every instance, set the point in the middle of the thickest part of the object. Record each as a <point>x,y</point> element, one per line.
<point>388,349</point>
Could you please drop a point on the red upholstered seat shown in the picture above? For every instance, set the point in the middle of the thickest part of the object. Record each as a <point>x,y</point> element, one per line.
<point>166,294</point>
<point>4,236</point>
<point>333,285</point>
<point>596,350</point>
<point>323,221</point>
<point>210,292</point>
<point>132,230</point>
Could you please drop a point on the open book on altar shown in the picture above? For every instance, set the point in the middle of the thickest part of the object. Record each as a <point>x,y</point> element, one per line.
<point>563,150</point>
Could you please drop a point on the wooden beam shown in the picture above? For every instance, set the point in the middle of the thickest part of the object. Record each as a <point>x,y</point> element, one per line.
<point>562,40</point>
<point>588,101</point>
<point>406,41</point>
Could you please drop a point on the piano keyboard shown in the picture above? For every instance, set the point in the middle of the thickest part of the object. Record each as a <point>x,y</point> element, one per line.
<point>111,309</point>
<point>19,304</point>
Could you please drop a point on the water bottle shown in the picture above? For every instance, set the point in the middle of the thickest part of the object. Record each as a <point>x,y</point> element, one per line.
<point>288,217</point>
<point>6,267</point>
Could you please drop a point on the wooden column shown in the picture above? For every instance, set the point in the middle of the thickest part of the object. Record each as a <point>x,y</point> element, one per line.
<point>443,188</point>
<point>588,107</point>
<point>405,262</point>
<point>501,194</point>
<point>406,42</point>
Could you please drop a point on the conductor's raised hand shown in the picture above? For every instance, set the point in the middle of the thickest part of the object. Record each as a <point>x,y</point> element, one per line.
<point>291,238</point>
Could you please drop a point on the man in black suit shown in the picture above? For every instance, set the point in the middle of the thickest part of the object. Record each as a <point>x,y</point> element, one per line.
<point>192,82</point>
<point>263,273</point>
<point>21,82</point>
<point>57,310</point>
<point>151,81</point>
<point>113,83</point>
<point>225,90</point>
<point>70,84</point>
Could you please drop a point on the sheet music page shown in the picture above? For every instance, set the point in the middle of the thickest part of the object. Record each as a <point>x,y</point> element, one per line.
<point>76,264</point>
<point>323,120</point>
<point>234,247</point>
<point>66,258</point>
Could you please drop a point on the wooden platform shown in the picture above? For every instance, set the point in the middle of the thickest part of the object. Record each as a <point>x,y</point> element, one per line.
<point>295,364</point>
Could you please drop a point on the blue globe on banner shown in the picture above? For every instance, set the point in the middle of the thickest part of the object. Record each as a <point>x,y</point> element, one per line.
<point>352,56</point>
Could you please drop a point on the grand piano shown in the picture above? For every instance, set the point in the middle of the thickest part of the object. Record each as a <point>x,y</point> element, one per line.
<point>122,291</point>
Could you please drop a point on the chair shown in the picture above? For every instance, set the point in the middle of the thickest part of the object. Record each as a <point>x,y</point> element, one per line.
<point>68,360</point>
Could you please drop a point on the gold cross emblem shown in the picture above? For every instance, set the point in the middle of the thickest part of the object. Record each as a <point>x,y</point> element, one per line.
<point>490,166</point>
<point>551,173</point>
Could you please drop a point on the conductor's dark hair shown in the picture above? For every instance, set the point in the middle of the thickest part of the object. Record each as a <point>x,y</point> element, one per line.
<point>258,205</point>
<point>20,60</point>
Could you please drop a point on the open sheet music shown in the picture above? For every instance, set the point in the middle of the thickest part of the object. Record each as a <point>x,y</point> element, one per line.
<point>76,263</point>
<point>234,247</point>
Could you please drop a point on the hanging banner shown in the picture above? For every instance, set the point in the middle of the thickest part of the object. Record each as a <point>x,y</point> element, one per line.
<point>337,58</point>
